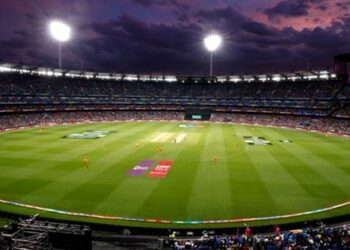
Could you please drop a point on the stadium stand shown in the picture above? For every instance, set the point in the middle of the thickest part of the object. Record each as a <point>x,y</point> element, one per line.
<point>307,93</point>
<point>329,125</point>
<point>344,112</point>
<point>35,234</point>
<point>32,96</point>
<point>323,237</point>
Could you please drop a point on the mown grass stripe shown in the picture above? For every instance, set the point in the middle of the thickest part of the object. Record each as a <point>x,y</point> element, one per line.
<point>79,179</point>
<point>60,181</point>
<point>318,187</point>
<point>282,187</point>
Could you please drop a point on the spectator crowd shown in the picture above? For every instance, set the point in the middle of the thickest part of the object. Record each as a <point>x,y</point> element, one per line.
<point>321,238</point>
<point>311,101</point>
<point>11,121</point>
<point>332,125</point>
<point>302,97</point>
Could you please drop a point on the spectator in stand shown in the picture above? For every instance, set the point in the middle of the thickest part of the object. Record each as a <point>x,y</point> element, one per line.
<point>247,231</point>
<point>332,125</point>
<point>333,238</point>
<point>11,121</point>
<point>303,97</point>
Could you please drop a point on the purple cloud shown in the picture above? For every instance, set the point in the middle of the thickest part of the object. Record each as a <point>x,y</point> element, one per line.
<point>288,8</point>
<point>129,42</point>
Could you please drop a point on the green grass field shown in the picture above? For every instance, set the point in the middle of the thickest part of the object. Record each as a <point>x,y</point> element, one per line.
<point>41,167</point>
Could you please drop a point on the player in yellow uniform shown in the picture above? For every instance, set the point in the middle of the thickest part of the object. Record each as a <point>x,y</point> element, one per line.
<point>86,163</point>
<point>216,159</point>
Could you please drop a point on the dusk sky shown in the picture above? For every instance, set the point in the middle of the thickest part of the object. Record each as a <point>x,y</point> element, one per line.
<point>166,36</point>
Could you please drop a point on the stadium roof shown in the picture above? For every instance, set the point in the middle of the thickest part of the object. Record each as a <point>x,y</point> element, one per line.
<point>54,72</point>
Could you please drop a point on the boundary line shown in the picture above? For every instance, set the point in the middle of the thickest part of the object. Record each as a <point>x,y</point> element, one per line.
<point>163,221</point>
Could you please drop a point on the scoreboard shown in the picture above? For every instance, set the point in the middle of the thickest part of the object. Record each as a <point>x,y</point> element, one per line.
<point>197,114</point>
<point>197,117</point>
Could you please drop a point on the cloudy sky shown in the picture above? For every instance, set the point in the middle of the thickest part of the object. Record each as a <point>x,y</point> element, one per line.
<point>166,36</point>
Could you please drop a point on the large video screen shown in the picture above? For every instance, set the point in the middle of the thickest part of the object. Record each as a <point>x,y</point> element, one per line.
<point>198,115</point>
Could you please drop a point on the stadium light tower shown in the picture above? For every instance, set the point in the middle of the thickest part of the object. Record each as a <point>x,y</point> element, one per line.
<point>212,43</point>
<point>61,32</point>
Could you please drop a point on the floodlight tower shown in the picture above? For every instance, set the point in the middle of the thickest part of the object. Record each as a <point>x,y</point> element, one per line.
<point>61,32</point>
<point>212,43</point>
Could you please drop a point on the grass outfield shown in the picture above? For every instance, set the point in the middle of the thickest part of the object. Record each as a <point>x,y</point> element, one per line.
<point>40,167</point>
